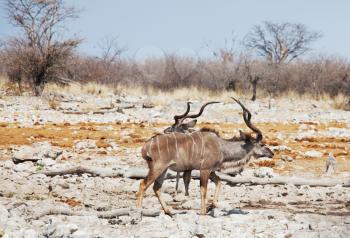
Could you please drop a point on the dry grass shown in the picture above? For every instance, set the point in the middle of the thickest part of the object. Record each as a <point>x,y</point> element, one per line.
<point>159,97</point>
<point>3,81</point>
<point>192,93</point>
<point>9,88</point>
<point>78,90</point>
<point>341,102</point>
<point>54,103</point>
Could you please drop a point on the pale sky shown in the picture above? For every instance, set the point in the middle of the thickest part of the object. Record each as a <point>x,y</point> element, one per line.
<point>146,27</point>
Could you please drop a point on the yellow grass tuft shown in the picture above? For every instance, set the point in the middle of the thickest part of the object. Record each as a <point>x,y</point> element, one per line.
<point>341,102</point>
<point>54,103</point>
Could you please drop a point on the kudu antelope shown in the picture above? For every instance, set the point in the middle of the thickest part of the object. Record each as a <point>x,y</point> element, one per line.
<point>202,150</point>
<point>180,126</point>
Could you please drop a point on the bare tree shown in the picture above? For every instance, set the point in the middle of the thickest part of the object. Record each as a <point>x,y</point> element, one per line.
<point>227,64</point>
<point>40,51</point>
<point>110,49</point>
<point>280,42</point>
<point>252,76</point>
<point>109,63</point>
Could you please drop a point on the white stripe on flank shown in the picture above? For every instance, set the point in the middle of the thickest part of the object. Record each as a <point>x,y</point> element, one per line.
<point>167,145</point>
<point>175,145</point>
<point>193,144</point>
<point>202,152</point>
<point>158,146</point>
<point>150,148</point>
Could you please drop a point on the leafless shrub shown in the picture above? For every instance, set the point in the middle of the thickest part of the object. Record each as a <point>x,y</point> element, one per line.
<point>280,42</point>
<point>39,55</point>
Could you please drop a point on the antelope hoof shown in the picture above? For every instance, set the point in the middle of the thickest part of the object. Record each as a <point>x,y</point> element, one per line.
<point>187,194</point>
<point>168,212</point>
<point>204,212</point>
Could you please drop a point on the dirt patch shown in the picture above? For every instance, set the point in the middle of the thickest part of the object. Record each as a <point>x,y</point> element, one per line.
<point>133,135</point>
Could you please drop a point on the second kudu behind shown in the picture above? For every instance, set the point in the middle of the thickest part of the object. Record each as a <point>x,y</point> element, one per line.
<point>180,126</point>
<point>202,150</point>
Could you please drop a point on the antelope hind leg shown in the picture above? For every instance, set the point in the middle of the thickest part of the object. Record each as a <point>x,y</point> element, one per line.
<point>177,182</point>
<point>204,177</point>
<point>156,187</point>
<point>187,180</point>
<point>216,180</point>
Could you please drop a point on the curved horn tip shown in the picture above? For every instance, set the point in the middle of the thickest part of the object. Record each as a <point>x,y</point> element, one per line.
<point>236,100</point>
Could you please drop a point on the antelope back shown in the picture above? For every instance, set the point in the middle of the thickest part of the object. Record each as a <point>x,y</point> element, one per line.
<point>184,151</point>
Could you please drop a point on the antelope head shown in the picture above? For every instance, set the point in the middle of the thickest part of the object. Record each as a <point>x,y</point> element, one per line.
<point>180,126</point>
<point>255,145</point>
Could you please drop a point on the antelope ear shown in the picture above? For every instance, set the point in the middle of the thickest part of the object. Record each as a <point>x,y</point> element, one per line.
<point>169,129</point>
<point>189,124</point>
<point>244,136</point>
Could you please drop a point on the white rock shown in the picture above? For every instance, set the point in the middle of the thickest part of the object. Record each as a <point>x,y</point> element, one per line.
<point>216,212</point>
<point>167,197</point>
<point>30,233</point>
<point>46,162</point>
<point>8,164</point>
<point>313,153</point>
<point>192,204</point>
<point>24,167</point>
<point>286,158</point>
<point>264,172</point>
<point>24,153</point>
<point>247,173</point>
<point>4,216</point>
<point>53,153</point>
<point>263,159</point>
<point>180,197</point>
<point>35,152</point>
<point>65,230</point>
<point>280,148</point>
<point>85,144</point>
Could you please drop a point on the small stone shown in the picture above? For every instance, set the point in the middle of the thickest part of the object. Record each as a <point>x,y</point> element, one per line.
<point>192,204</point>
<point>180,197</point>
<point>65,230</point>
<point>313,153</point>
<point>85,144</point>
<point>4,216</point>
<point>280,148</point>
<point>24,167</point>
<point>24,153</point>
<point>46,162</point>
<point>30,233</point>
<point>215,212</point>
<point>53,154</point>
<point>8,164</point>
<point>147,105</point>
<point>287,158</point>
<point>264,172</point>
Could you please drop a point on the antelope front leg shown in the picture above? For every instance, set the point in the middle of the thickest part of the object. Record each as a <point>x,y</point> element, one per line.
<point>204,177</point>
<point>216,180</point>
<point>145,183</point>
<point>141,193</point>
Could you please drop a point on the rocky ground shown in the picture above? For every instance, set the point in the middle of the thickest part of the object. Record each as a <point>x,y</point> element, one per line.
<point>43,134</point>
